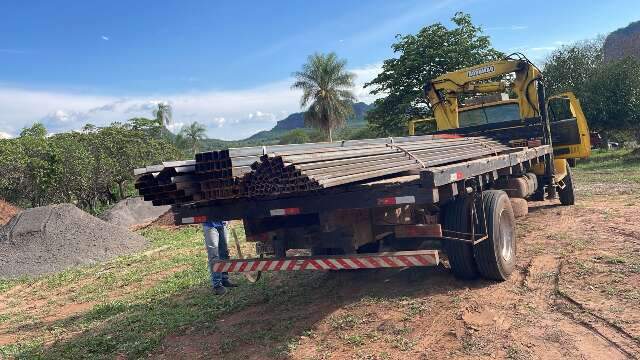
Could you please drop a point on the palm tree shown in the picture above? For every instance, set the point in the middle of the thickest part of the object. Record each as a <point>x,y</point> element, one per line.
<point>194,134</point>
<point>163,116</point>
<point>326,88</point>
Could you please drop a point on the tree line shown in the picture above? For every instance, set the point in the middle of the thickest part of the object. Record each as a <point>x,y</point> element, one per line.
<point>609,91</point>
<point>91,168</point>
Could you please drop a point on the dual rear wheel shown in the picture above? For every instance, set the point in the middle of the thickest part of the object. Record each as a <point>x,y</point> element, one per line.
<point>494,257</point>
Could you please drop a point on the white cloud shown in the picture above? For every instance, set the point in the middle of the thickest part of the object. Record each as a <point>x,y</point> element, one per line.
<point>364,75</point>
<point>227,114</point>
<point>4,135</point>
<point>105,38</point>
<point>22,107</point>
<point>176,126</point>
<point>259,115</point>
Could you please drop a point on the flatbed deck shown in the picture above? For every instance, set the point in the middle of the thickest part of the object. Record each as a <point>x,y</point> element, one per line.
<point>431,185</point>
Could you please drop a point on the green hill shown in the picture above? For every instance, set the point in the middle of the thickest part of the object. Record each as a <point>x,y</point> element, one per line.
<point>291,122</point>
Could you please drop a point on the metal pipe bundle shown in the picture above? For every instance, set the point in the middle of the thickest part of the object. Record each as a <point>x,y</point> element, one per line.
<point>282,169</point>
<point>168,183</point>
<point>294,171</point>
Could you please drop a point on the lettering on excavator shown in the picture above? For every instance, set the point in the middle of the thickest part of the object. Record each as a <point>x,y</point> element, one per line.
<point>480,71</point>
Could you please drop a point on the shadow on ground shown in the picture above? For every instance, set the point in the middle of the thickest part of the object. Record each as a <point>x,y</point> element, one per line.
<point>271,328</point>
<point>254,321</point>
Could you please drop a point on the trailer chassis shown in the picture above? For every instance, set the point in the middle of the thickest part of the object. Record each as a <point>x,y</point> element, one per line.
<point>465,233</point>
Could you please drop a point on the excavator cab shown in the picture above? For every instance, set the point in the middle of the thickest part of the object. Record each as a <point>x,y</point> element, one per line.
<point>569,129</point>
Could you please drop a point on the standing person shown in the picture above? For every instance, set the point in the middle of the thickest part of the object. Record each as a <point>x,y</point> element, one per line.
<point>215,240</point>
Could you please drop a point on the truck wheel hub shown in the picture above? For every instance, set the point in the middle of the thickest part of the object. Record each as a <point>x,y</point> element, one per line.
<point>506,236</point>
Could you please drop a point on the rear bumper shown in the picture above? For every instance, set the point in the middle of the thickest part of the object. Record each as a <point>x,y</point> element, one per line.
<point>334,262</point>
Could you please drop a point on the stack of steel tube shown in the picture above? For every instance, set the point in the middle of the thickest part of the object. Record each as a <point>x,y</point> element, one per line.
<point>282,169</point>
<point>294,171</point>
<point>271,176</point>
<point>168,183</point>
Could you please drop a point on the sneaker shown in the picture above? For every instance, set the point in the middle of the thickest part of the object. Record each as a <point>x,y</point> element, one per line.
<point>220,290</point>
<point>227,283</point>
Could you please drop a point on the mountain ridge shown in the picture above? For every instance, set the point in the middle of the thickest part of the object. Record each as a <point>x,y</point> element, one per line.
<point>623,42</point>
<point>291,122</point>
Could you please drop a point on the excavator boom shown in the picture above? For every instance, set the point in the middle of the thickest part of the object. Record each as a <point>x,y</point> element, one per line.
<point>443,91</point>
<point>566,130</point>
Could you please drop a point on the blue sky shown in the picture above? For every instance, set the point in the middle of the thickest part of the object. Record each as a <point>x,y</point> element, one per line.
<point>228,64</point>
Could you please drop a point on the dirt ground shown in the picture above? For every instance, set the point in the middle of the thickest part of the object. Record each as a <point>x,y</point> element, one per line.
<point>575,295</point>
<point>7,212</point>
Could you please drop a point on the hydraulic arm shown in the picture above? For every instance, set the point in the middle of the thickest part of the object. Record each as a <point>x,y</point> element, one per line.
<point>443,91</point>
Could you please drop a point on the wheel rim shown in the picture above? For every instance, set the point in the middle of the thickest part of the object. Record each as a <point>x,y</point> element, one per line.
<point>506,236</point>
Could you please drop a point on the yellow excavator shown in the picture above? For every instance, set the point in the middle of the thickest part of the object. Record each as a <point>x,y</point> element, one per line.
<point>460,105</point>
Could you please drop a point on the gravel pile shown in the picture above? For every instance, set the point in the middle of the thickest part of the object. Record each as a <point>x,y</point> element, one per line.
<point>52,238</point>
<point>132,212</point>
<point>7,212</point>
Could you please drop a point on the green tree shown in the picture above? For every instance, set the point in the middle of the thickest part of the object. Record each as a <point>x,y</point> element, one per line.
<point>13,162</point>
<point>356,133</point>
<point>91,168</point>
<point>570,67</point>
<point>71,164</point>
<point>193,135</point>
<point>433,51</point>
<point>36,176</point>
<point>611,99</point>
<point>609,92</point>
<point>149,126</point>
<point>326,88</point>
<point>295,136</point>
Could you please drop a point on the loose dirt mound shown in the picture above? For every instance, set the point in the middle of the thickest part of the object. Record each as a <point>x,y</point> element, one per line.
<point>133,211</point>
<point>52,238</point>
<point>7,212</point>
<point>167,219</point>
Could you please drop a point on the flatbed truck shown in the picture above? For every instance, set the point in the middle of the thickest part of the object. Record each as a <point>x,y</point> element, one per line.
<point>461,212</point>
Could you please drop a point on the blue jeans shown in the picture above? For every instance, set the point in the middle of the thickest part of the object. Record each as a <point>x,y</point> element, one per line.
<point>215,240</point>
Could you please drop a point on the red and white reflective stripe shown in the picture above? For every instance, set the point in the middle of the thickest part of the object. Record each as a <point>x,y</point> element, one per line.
<point>397,200</point>
<point>458,175</point>
<point>287,211</point>
<point>194,219</point>
<point>338,262</point>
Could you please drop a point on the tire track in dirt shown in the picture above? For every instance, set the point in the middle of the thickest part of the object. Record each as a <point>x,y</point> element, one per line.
<point>576,311</point>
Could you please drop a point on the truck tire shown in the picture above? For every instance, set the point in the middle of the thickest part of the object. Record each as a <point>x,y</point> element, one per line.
<point>567,195</point>
<point>461,258</point>
<point>496,255</point>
